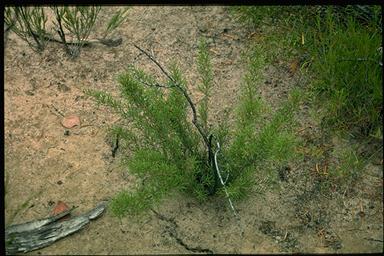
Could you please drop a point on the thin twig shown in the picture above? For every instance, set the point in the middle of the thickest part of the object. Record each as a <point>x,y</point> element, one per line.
<point>61,31</point>
<point>373,239</point>
<point>206,138</point>
<point>182,90</point>
<point>285,236</point>
<point>155,61</point>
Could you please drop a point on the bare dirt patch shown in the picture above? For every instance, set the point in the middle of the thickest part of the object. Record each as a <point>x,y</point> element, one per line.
<point>45,162</point>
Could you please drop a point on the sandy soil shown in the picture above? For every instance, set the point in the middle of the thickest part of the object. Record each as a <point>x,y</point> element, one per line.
<point>45,164</point>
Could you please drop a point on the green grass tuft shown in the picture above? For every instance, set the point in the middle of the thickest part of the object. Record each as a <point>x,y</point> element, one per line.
<point>341,47</point>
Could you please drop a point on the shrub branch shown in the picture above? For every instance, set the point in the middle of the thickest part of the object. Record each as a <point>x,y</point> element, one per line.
<point>207,138</point>
<point>60,31</point>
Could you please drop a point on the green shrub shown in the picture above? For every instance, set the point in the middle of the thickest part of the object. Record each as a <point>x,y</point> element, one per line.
<point>168,146</point>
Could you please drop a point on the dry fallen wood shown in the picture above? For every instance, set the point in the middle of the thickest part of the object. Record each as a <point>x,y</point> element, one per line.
<point>34,235</point>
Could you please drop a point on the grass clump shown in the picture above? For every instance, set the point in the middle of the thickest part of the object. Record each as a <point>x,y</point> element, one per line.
<point>173,147</point>
<point>341,47</point>
<point>349,75</point>
<point>340,50</point>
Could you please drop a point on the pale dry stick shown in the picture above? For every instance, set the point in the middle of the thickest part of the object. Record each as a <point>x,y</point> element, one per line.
<point>215,52</point>
<point>286,234</point>
<point>225,189</point>
<point>303,129</point>
<point>222,182</point>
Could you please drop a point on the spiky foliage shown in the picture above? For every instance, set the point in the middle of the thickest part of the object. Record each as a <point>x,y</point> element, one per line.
<point>29,24</point>
<point>167,150</point>
<point>262,141</point>
<point>205,70</point>
<point>79,21</point>
<point>115,21</point>
<point>73,25</point>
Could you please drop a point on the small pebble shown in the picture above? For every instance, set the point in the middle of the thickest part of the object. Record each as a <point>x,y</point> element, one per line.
<point>70,121</point>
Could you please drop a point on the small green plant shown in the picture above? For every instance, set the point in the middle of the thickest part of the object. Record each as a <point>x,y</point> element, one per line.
<point>73,25</point>
<point>79,21</point>
<point>174,149</point>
